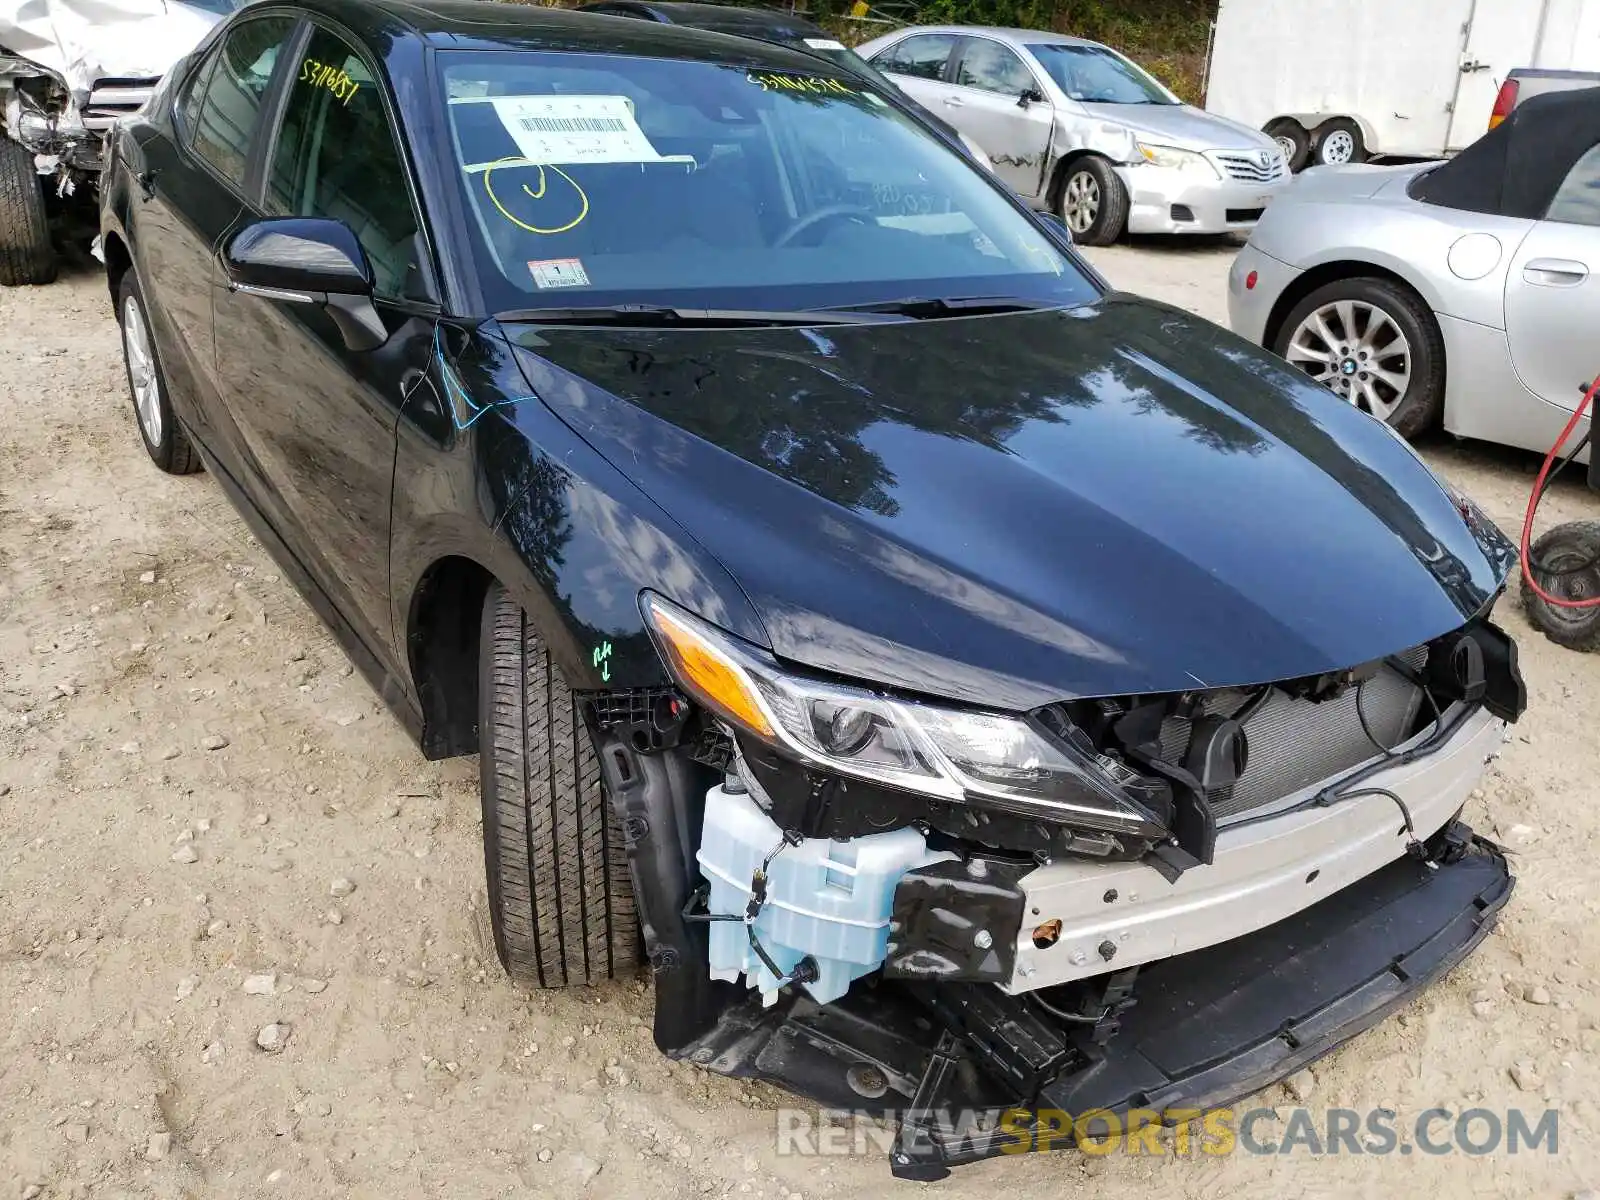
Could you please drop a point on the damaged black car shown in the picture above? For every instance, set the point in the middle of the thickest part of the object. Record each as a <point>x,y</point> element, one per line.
<point>970,690</point>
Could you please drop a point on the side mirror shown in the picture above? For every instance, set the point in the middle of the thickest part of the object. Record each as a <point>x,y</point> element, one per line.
<point>1030,95</point>
<point>308,260</point>
<point>1055,222</point>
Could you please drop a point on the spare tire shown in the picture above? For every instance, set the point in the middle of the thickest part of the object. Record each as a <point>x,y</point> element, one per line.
<point>26,256</point>
<point>1566,563</point>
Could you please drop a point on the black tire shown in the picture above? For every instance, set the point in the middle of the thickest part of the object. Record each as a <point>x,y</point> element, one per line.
<point>1566,563</point>
<point>169,448</point>
<point>1325,143</point>
<point>1422,403</point>
<point>1292,139</point>
<point>26,256</point>
<point>560,897</point>
<point>1111,215</point>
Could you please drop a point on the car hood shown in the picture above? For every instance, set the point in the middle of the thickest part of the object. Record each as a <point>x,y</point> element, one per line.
<point>86,40</point>
<point>1015,509</point>
<point>1181,125</point>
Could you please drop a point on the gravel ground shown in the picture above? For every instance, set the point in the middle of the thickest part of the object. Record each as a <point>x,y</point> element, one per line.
<point>241,946</point>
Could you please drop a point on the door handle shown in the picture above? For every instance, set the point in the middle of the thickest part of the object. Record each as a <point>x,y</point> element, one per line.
<point>954,102</point>
<point>1554,272</point>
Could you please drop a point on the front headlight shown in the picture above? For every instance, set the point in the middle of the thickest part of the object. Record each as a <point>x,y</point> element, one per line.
<point>995,760</point>
<point>1178,160</point>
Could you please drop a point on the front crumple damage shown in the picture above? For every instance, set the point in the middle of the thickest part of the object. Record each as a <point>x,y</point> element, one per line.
<point>1093,522</point>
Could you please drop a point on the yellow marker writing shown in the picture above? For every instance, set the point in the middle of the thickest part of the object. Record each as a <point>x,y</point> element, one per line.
<point>488,187</point>
<point>325,75</point>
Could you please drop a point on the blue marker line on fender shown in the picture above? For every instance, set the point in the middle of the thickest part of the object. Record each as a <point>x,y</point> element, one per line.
<point>455,390</point>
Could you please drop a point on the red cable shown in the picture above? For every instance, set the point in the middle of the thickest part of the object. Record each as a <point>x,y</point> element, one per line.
<point>1538,494</point>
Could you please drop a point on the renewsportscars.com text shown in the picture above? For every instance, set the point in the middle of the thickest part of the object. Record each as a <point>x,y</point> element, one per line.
<point>1184,1132</point>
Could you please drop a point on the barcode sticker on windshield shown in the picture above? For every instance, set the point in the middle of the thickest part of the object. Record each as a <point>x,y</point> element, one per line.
<point>574,129</point>
<point>558,273</point>
<point>824,44</point>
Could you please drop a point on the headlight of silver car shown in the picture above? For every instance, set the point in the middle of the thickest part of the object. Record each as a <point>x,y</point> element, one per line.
<point>994,760</point>
<point>1178,160</point>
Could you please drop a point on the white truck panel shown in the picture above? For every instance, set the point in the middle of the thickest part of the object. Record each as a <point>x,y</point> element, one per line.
<point>1418,76</point>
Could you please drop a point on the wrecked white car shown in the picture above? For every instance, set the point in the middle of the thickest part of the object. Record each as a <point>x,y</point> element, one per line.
<point>69,69</point>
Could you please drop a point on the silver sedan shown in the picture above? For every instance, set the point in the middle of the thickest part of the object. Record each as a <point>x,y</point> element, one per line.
<point>1465,293</point>
<point>1077,129</point>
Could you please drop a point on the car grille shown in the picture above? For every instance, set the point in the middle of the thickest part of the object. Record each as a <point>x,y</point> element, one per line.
<point>1247,166</point>
<point>112,99</point>
<point>1296,743</point>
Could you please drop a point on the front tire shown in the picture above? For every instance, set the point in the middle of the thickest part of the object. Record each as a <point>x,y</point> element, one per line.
<point>1566,563</point>
<point>1374,343</point>
<point>26,256</point>
<point>164,439</point>
<point>560,898</point>
<point>1093,203</point>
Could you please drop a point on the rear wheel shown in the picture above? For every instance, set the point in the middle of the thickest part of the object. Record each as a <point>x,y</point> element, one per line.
<point>1339,142</point>
<point>1093,202</point>
<point>1293,140</point>
<point>1566,563</point>
<point>1374,343</point>
<point>164,439</point>
<point>26,255</point>
<point>560,898</point>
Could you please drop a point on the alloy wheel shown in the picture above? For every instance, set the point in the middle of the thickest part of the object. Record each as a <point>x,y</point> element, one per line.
<point>142,370</point>
<point>1080,202</point>
<point>1357,351</point>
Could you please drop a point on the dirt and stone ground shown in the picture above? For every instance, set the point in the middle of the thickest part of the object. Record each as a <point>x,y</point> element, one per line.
<point>209,827</point>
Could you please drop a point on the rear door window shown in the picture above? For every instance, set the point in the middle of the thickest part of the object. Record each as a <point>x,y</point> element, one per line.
<point>922,55</point>
<point>240,79</point>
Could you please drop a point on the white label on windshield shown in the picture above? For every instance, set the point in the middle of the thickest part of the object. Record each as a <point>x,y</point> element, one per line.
<point>824,44</point>
<point>574,129</point>
<point>558,273</point>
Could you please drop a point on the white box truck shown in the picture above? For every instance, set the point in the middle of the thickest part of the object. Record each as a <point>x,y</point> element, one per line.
<point>1345,80</point>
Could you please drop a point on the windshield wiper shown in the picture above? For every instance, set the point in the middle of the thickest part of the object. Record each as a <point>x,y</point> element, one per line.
<point>663,316</point>
<point>929,308</point>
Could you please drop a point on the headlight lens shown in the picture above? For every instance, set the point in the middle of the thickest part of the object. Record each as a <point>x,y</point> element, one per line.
<point>1178,160</point>
<point>995,760</point>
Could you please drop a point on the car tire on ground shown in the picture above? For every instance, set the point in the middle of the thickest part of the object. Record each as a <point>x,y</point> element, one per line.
<point>164,439</point>
<point>1566,563</point>
<point>1338,142</point>
<point>1390,362</point>
<point>1093,202</point>
<point>560,896</point>
<point>1292,139</point>
<point>26,256</point>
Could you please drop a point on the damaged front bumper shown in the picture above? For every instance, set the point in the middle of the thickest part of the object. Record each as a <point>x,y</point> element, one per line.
<point>1209,1028</point>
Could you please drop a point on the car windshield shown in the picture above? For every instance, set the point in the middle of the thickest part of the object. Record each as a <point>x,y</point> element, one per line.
<point>594,179</point>
<point>1098,75</point>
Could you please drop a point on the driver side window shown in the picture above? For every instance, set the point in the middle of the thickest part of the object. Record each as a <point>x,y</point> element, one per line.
<point>992,67</point>
<point>337,157</point>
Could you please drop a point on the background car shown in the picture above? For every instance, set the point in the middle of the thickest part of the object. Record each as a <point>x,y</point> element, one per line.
<point>1464,292</point>
<point>785,29</point>
<point>1079,130</point>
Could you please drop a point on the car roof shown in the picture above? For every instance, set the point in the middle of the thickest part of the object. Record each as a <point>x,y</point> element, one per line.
<point>484,23</point>
<point>1019,37</point>
<point>719,16</point>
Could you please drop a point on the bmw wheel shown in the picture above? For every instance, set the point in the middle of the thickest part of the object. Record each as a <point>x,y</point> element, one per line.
<point>1375,344</point>
<point>164,439</point>
<point>1093,203</point>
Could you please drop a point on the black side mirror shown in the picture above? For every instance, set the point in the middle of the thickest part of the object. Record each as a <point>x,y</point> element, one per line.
<point>1030,95</point>
<point>1055,222</point>
<point>308,260</point>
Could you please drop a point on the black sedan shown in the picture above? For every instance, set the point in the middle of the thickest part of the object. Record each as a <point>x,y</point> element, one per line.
<point>963,685</point>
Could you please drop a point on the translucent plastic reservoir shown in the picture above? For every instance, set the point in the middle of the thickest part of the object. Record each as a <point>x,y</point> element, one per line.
<point>828,899</point>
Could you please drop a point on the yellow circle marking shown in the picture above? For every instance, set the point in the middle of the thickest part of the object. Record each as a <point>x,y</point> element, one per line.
<point>521,224</point>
